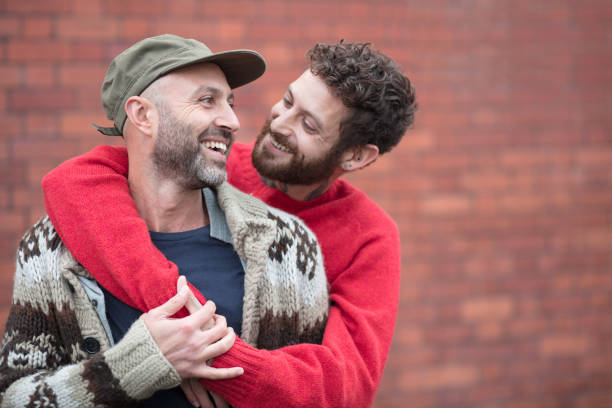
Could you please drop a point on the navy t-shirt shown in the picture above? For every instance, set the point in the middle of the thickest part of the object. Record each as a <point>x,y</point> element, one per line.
<point>210,265</point>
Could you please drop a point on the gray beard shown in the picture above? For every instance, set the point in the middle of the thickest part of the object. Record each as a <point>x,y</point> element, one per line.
<point>177,155</point>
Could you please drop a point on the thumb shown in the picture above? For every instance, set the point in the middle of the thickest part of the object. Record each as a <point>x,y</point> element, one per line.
<point>174,304</point>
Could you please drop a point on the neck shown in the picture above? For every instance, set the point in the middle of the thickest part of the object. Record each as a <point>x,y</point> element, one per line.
<point>163,204</point>
<point>301,192</point>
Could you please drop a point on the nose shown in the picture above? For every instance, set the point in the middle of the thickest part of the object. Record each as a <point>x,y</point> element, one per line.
<point>227,119</point>
<point>280,119</point>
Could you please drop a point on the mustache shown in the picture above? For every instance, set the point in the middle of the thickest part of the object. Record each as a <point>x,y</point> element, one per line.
<point>215,131</point>
<point>278,137</point>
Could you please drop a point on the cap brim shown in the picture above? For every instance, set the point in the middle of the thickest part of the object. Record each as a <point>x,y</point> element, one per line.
<point>239,66</point>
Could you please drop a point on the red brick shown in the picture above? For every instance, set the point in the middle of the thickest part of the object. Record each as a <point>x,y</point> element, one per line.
<point>38,6</point>
<point>418,140</point>
<point>87,29</point>
<point>24,196</point>
<point>230,31</point>
<point>41,124</point>
<point>489,331</point>
<point>12,126</point>
<point>564,345</point>
<point>9,76</point>
<point>88,8</point>
<point>44,149</point>
<point>39,50</point>
<point>12,174</point>
<point>196,29</point>
<point>79,124</point>
<point>89,51</point>
<point>437,378</point>
<point>13,222</point>
<point>134,28</point>
<point>235,9</point>
<point>409,336</point>
<point>277,55</point>
<point>136,7</point>
<point>53,99</point>
<point>9,26</point>
<point>37,170</point>
<point>40,75</point>
<point>595,157</point>
<point>182,8</point>
<point>37,27</point>
<point>487,309</point>
<point>82,75</point>
<point>446,204</point>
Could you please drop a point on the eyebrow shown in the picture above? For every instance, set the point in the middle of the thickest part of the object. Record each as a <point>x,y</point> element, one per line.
<point>212,90</point>
<point>306,111</point>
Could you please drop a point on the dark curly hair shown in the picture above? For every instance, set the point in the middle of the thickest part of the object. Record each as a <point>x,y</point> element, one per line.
<point>371,85</point>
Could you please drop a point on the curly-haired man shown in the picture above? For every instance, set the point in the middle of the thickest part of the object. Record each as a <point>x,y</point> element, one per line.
<point>351,105</point>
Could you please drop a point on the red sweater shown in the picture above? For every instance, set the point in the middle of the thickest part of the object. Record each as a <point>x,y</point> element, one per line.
<point>360,243</point>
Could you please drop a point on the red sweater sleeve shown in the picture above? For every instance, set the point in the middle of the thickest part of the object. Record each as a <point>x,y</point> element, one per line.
<point>89,203</point>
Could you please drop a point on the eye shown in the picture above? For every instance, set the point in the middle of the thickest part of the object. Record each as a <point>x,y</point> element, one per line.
<point>309,128</point>
<point>207,100</point>
<point>287,102</point>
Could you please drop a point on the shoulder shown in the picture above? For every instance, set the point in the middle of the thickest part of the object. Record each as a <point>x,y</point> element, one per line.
<point>365,215</point>
<point>40,241</point>
<point>41,255</point>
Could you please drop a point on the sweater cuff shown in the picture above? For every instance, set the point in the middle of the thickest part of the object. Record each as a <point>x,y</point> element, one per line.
<point>139,364</point>
<point>245,386</point>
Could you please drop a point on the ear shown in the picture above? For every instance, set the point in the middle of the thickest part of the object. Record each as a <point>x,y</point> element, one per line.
<point>142,114</point>
<point>359,157</point>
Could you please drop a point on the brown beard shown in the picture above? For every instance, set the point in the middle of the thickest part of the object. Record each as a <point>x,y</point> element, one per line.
<point>300,170</point>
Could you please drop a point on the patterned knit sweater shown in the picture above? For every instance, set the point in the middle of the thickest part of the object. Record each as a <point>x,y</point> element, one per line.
<point>46,358</point>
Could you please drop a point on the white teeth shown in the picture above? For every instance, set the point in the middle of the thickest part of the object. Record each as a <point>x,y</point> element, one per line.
<point>218,146</point>
<point>279,146</point>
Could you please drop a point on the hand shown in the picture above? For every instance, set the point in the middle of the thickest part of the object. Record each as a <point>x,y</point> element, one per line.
<point>185,344</point>
<point>199,396</point>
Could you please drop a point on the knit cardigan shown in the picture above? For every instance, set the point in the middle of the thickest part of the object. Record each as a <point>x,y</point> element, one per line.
<point>44,359</point>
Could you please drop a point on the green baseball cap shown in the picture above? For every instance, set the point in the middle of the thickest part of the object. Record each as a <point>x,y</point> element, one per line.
<point>132,71</point>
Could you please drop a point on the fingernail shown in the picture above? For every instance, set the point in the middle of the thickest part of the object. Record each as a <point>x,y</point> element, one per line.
<point>184,291</point>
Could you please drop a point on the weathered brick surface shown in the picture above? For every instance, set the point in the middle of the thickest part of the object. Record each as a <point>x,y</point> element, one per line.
<point>502,191</point>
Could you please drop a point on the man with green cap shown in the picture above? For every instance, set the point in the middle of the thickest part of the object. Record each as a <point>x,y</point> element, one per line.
<point>69,342</point>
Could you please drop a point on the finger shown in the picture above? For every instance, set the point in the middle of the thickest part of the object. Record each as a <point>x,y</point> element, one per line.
<point>215,333</point>
<point>219,402</point>
<point>221,346</point>
<point>204,316</point>
<point>173,305</point>
<point>180,282</point>
<point>202,394</point>
<point>212,373</point>
<point>193,304</point>
<point>189,394</point>
<point>220,320</point>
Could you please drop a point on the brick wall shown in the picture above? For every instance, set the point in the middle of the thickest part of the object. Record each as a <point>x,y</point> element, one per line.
<point>502,191</point>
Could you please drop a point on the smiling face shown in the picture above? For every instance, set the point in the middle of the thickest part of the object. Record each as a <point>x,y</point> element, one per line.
<point>195,125</point>
<point>297,145</point>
